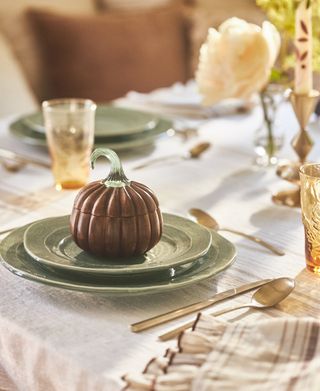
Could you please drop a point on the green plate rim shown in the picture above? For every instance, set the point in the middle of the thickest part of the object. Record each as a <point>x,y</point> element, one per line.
<point>151,120</point>
<point>200,232</point>
<point>28,136</point>
<point>226,250</point>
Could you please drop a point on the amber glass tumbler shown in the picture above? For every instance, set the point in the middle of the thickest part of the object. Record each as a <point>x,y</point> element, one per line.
<point>310,205</point>
<point>69,125</point>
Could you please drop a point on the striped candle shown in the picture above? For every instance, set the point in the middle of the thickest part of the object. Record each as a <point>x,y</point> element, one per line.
<point>303,48</point>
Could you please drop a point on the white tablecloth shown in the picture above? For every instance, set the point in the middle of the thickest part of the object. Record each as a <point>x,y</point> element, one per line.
<point>52,339</point>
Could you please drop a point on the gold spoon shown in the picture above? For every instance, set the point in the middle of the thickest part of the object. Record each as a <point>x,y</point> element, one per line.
<point>12,166</point>
<point>194,153</point>
<point>185,133</point>
<point>267,296</point>
<point>208,221</point>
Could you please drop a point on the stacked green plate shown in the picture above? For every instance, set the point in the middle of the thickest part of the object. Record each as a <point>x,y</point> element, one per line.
<point>45,252</point>
<point>115,128</point>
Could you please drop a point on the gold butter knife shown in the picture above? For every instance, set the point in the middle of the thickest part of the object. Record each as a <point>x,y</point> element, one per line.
<point>10,155</point>
<point>194,153</point>
<point>166,317</point>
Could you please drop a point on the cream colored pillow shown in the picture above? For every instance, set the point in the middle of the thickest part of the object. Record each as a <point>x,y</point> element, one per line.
<point>14,25</point>
<point>15,93</point>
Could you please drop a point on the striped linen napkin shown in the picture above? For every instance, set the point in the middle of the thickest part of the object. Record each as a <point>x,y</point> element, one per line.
<point>278,354</point>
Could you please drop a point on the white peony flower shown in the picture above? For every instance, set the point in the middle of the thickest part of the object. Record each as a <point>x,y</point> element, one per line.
<point>236,60</point>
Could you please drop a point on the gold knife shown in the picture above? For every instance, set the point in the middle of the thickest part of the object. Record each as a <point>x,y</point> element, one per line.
<point>163,318</point>
<point>10,155</point>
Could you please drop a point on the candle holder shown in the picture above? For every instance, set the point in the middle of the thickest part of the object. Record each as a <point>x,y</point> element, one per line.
<point>303,105</point>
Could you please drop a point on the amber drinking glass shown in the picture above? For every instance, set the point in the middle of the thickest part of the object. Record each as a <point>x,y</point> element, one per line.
<point>310,205</point>
<point>69,125</point>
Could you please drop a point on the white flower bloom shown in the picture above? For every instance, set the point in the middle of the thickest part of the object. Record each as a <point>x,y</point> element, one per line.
<point>236,60</point>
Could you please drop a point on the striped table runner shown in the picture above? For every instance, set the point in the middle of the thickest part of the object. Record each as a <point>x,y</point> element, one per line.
<point>278,354</point>
<point>6,384</point>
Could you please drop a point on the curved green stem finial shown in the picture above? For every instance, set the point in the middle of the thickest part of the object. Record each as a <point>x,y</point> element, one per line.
<point>116,177</point>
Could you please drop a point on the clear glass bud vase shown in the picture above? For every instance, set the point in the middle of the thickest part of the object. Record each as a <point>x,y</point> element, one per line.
<point>269,137</point>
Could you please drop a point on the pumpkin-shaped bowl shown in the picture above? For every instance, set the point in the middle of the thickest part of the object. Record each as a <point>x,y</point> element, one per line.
<point>115,217</point>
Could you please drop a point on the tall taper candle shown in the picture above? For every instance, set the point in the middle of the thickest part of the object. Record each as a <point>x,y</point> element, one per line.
<point>303,48</point>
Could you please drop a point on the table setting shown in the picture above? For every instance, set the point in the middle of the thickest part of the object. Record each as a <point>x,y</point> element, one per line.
<point>144,246</point>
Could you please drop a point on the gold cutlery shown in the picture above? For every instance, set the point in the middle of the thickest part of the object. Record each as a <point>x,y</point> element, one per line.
<point>12,166</point>
<point>266,296</point>
<point>195,111</point>
<point>194,153</point>
<point>208,221</point>
<point>189,111</point>
<point>20,159</point>
<point>185,133</point>
<point>188,309</point>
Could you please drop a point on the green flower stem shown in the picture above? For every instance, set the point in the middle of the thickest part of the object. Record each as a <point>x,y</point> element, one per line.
<point>270,148</point>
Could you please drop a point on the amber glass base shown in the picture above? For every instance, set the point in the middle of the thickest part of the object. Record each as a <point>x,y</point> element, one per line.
<point>314,269</point>
<point>69,185</point>
<point>312,255</point>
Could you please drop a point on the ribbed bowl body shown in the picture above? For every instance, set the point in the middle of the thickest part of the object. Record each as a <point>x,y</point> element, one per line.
<point>116,221</point>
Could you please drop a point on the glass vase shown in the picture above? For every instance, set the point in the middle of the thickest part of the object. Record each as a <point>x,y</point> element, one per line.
<point>266,148</point>
<point>269,137</point>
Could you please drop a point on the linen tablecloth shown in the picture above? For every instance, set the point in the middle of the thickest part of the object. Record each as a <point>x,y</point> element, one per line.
<point>52,339</point>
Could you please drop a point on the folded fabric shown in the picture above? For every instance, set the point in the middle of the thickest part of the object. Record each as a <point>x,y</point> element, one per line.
<point>177,94</point>
<point>5,382</point>
<point>278,354</point>
<point>182,100</point>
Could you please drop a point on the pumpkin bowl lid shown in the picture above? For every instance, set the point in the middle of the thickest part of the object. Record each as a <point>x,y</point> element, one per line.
<point>115,196</point>
<point>134,199</point>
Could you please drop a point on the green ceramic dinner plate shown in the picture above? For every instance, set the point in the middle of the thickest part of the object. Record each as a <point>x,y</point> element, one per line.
<point>49,242</point>
<point>14,257</point>
<point>118,143</point>
<point>110,121</point>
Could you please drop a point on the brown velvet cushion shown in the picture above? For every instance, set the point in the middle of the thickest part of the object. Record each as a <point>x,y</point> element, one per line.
<point>102,57</point>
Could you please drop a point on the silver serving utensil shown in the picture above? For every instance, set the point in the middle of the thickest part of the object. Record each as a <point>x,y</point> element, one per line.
<point>194,153</point>
<point>208,221</point>
<point>267,296</point>
<point>166,317</point>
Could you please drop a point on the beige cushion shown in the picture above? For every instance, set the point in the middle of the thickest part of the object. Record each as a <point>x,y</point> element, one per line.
<point>15,27</point>
<point>16,96</point>
<point>103,57</point>
<point>130,4</point>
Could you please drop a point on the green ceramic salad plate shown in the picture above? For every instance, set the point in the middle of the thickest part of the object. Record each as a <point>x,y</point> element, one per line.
<point>110,121</point>
<point>49,242</point>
